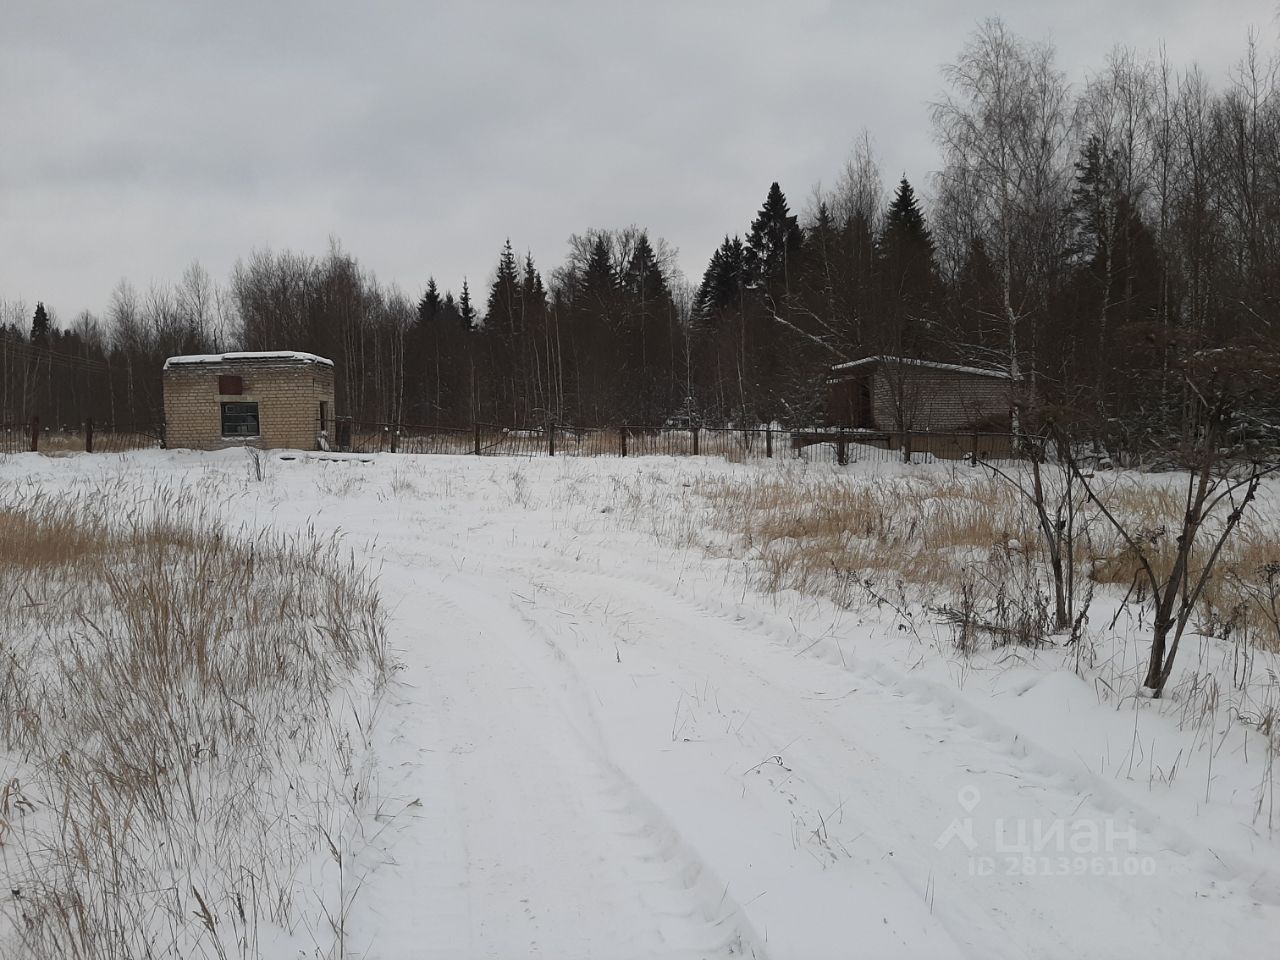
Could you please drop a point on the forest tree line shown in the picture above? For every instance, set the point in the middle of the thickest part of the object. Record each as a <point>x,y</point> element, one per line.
<point>1106,243</point>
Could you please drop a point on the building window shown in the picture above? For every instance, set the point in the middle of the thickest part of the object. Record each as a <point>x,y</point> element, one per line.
<point>240,420</point>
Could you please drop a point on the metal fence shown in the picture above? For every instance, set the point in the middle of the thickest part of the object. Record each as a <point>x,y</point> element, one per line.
<point>840,446</point>
<point>832,445</point>
<point>30,436</point>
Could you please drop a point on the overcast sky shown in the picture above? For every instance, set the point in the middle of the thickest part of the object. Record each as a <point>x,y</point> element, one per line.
<point>140,136</point>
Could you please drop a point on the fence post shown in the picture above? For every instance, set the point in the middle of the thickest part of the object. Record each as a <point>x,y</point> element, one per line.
<point>88,435</point>
<point>842,450</point>
<point>622,434</point>
<point>476,428</point>
<point>768,442</point>
<point>973,453</point>
<point>395,437</point>
<point>696,431</point>
<point>35,434</point>
<point>551,439</point>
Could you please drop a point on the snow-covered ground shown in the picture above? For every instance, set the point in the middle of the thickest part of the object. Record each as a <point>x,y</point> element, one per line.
<point>603,743</point>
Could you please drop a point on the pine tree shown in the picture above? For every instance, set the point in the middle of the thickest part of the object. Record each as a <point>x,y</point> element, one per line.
<point>978,303</point>
<point>540,358</point>
<point>904,223</point>
<point>1116,265</point>
<point>724,370</point>
<point>774,240</point>
<point>429,305</point>
<point>642,277</point>
<point>465,310</point>
<point>599,282</point>
<point>646,335</point>
<point>40,325</point>
<point>597,355</point>
<point>910,294</point>
<point>722,282</point>
<point>502,307</point>
<point>860,277</point>
<point>1093,203</point>
<point>502,337</point>
<point>423,357</point>
<point>533,299</point>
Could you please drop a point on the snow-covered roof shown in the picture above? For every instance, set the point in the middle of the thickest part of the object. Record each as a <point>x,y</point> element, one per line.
<point>930,364</point>
<point>287,356</point>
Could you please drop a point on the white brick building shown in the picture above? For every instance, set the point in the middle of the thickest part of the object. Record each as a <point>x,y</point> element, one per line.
<point>269,400</point>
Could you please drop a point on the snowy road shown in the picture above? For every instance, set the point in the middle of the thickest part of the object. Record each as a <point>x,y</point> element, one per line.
<point>620,752</point>
<point>602,746</point>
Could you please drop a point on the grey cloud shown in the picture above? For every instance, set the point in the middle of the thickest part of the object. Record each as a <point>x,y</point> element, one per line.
<point>141,135</point>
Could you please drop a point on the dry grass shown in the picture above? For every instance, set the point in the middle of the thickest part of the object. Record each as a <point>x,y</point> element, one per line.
<point>961,536</point>
<point>822,534</point>
<point>183,712</point>
<point>62,443</point>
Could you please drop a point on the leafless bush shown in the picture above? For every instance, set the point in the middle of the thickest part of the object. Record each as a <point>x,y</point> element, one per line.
<point>257,463</point>
<point>950,532</point>
<point>1006,599</point>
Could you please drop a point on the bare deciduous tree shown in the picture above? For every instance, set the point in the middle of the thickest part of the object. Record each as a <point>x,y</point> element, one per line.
<point>1004,131</point>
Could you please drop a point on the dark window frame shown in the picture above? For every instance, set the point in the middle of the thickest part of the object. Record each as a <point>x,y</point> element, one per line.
<point>241,418</point>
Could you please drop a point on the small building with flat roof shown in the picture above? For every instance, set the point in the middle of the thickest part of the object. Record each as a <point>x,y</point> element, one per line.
<point>904,393</point>
<point>269,399</point>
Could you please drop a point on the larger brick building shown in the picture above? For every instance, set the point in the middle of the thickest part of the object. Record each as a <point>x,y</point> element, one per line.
<point>900,393</point>
<point>268,400</point>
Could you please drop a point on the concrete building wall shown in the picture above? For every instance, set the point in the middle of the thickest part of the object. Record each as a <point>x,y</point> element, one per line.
<point>288,394</point>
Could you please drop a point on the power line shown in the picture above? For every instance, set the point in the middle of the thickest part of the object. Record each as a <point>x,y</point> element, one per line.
<point>30,352</point>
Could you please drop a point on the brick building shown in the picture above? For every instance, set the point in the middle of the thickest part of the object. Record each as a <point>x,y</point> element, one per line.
<point>269,400</point>
<point>898,393</point>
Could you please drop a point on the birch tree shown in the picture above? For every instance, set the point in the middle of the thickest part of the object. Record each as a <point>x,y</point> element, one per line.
<point>1003,128</point>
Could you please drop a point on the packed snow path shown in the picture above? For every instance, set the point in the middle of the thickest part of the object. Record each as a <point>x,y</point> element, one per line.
<point>604,747</point>
<point>619,754</point>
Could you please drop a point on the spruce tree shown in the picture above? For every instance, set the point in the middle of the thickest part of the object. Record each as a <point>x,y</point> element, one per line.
<point>539,350</point>
<point>429,305</point>
<point>722,281</point>
<point>647,335</point>
<point>905,223</point>
<point>978,302</point>
<point>532,290</point>
<point>423,357</point>
<point>599,282</point>
<point>502,307</point>
<point>774,240</point>
<point>909,290</point>
<point>465,310</point>
<point>40,325</point>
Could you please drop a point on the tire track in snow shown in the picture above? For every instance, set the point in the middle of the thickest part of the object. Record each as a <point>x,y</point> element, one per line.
<point>952,710</point>
<point>943,713</point>
<point>829,920</point>
<point>686,911</point>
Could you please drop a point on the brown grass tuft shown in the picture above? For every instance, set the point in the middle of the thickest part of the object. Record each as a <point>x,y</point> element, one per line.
<point>170,731</point>
<point>960,534</point>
